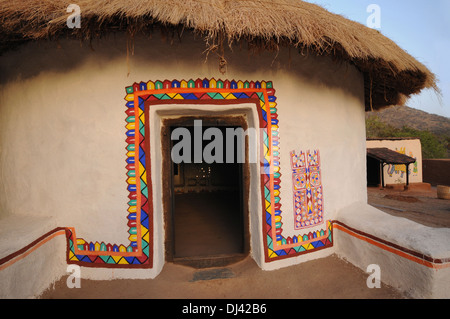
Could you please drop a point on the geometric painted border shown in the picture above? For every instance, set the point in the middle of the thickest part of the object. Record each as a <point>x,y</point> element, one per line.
<point>415,256</point>
<point>139,252</point>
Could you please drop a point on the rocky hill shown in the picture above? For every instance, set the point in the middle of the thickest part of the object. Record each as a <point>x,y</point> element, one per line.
<point>399,116</point>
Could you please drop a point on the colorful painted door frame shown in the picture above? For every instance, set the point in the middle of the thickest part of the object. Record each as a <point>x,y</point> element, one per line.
<point>140,97</point>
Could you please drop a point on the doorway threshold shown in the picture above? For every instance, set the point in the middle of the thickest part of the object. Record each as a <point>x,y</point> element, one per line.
<point>211,274</point>
<point>201,262</point>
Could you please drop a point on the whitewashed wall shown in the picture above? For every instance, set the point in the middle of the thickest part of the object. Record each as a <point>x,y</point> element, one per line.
<point>62,130</point>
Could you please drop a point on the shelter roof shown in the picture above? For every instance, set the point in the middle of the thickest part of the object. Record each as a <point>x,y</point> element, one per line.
<point>389,156</point>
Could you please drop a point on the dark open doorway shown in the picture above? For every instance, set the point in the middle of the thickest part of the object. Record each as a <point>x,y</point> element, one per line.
<point>373,172</point>
<point>207,213</point>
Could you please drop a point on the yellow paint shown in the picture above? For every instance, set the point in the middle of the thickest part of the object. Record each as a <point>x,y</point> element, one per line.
<point>131,126</point>
<point>146,235</point>
<point>178,97</point>
<point>266,150</point>
<point>131,180</point>
<point>116,258</point>
<point>122,249</point>
<point>230,97</point>
<point>72,256</point>
<point>144,176</point>
<point>271,253</point>
<point>150,85</point>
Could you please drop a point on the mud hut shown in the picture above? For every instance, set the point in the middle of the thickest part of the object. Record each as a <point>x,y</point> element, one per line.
<point>91,96</point>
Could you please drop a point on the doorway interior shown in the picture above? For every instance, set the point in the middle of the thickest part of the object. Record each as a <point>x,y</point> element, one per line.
<point>207,212</point>
<point>373,172</point>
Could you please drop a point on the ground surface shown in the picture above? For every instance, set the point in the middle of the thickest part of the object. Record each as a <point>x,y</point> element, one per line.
<point>327,278</point>
<point>420,206</point>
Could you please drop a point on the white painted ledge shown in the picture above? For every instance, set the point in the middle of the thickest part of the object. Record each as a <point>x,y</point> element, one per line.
<point>433,242</point>
<point>26,273</point>
<point>413,258</point>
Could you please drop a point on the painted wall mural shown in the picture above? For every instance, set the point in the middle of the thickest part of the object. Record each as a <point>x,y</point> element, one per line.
<point>307,189</point>
<point>400,170</point>
<point>140,97</point>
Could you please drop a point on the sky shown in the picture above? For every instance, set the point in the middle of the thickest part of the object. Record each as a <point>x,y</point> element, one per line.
<point>420,27</point>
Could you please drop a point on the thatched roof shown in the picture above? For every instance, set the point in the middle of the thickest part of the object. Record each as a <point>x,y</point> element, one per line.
<point>391,75</point>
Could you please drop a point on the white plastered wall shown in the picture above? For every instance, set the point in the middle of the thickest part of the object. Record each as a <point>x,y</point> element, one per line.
<point>63,138</point>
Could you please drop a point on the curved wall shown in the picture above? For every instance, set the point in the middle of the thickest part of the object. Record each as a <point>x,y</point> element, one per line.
<point>62,130</point>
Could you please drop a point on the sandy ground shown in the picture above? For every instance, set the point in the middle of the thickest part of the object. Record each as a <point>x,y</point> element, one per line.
<point>420,206</point>
<point>327,278</point>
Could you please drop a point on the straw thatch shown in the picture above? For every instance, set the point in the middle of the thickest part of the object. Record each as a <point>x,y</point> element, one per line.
<point>391,75</point>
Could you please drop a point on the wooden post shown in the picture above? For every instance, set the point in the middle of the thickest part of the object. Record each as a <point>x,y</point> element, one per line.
<point>407,174</point>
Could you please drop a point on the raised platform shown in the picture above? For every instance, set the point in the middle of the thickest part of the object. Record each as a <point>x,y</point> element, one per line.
<point>413,258</point>
<point>32,255</point>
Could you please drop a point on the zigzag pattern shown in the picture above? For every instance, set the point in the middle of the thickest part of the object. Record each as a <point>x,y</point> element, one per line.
<point>138,253</point>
